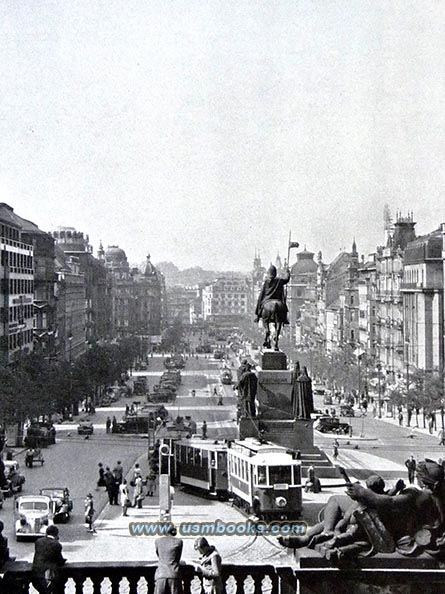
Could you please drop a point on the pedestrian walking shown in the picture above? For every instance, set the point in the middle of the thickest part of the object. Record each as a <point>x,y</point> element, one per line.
<point>112,487</point>
<point>48,558</point>
<point>151,484</point>
<point>335,447</point>
<point>108,425</point>
<point>114,425</point>
<point>101,481</point>
<point>29,457</point>
<point>209,566</point>
<point>204,430</point>
<point>169,550</point>
<point>411,466</point>
<point>441,437</point>
<point>89,512</point>
<point>124,496</point>
<point>138,493</point>
<point>400,418</point>
<point>136,472</point>
<point>118,472</point>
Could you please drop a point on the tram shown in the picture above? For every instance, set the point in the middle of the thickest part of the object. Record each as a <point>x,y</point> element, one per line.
<point>264,479</point>
<point>202,464</point>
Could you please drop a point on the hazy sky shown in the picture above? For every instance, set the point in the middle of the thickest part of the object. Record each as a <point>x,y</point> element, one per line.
<point>199,130</point>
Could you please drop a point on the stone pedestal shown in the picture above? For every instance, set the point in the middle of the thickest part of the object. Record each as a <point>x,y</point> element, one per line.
<point>273,360</point>
<point>275,394</point>
<point>274,386</point>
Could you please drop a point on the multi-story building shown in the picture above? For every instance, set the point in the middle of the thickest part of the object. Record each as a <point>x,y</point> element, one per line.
<point>97,281</point>
<point>148,293</point>
<point>72,311</point>
<point>227,298</point>
<point>302,296</point>
<point>181,304</point>
<point>122,302</point>
<point>389,340</point>
<point>137,296</point>
<point>341,300</point>
<point>16,288</point>
<point>367,308</point>
<point>423,314</point>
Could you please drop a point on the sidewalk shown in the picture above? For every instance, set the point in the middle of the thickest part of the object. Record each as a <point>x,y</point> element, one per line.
<point>413,428</point>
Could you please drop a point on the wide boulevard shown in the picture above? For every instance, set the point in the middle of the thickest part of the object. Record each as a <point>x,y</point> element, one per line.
<point>376,446</point>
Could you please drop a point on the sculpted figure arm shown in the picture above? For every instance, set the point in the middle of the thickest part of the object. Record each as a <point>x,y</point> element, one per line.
<point>377,501</point>
<point>286,276</point>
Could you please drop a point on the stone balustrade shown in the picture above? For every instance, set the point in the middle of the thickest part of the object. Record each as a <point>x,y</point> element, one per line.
<point>385,574</point>
<point>135,578</point>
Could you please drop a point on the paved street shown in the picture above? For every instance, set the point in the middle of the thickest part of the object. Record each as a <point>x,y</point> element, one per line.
<point>73,462</point>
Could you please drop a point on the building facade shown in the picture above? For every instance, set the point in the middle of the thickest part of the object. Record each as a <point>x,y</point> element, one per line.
<point>228,297</point>
<point>389,339</point>
<point>97,281</point>
<point>422,291</point>
<point>16,289</point>
<point>72,314</point>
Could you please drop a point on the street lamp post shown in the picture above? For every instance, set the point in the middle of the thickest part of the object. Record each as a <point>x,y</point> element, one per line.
<point>379,402</point>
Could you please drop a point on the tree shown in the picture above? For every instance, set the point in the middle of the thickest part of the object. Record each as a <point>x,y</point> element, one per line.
<point>172,337</point>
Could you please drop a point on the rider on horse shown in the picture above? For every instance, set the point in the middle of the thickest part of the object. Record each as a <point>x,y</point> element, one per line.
<point>273,290</point>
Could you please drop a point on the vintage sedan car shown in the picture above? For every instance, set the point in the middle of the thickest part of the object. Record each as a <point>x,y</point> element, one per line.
<point>328,424</point>
<point>33,514</point>
<point>346,410</point>
<point>61,502</point>
<point>85,428</point>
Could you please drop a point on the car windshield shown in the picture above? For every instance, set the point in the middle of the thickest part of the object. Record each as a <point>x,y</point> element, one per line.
<point>34,505</point>
<point>52,492</point>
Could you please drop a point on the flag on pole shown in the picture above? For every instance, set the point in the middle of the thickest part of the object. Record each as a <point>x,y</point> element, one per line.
<point>293,244</point>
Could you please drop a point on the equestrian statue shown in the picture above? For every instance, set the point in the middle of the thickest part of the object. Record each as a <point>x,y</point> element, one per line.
<point>271,307</point>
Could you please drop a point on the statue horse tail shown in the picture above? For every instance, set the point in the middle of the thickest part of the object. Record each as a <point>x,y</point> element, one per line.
<point>274,312</point>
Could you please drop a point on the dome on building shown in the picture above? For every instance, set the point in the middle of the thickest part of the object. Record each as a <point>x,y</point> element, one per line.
<point>305,263</point>
<point>114,253</point>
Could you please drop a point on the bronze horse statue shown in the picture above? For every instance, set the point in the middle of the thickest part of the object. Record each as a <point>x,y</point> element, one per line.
<point>274,313</point>
<point>271,307</point>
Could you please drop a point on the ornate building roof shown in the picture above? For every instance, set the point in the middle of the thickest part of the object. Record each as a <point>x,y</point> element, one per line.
<point>305,263</point>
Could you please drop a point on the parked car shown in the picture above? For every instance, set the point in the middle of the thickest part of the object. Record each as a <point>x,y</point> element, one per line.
<point>33,514</point>
<point>331,425</point>
<point>319,389</point>
<point>61,502</point>
<point>226,377</point>
<point>85,428</point>
<point>346,410</point>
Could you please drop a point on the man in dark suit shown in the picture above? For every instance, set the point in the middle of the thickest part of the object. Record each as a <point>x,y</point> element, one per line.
<point>169,551</point>
<point>47,560</point>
